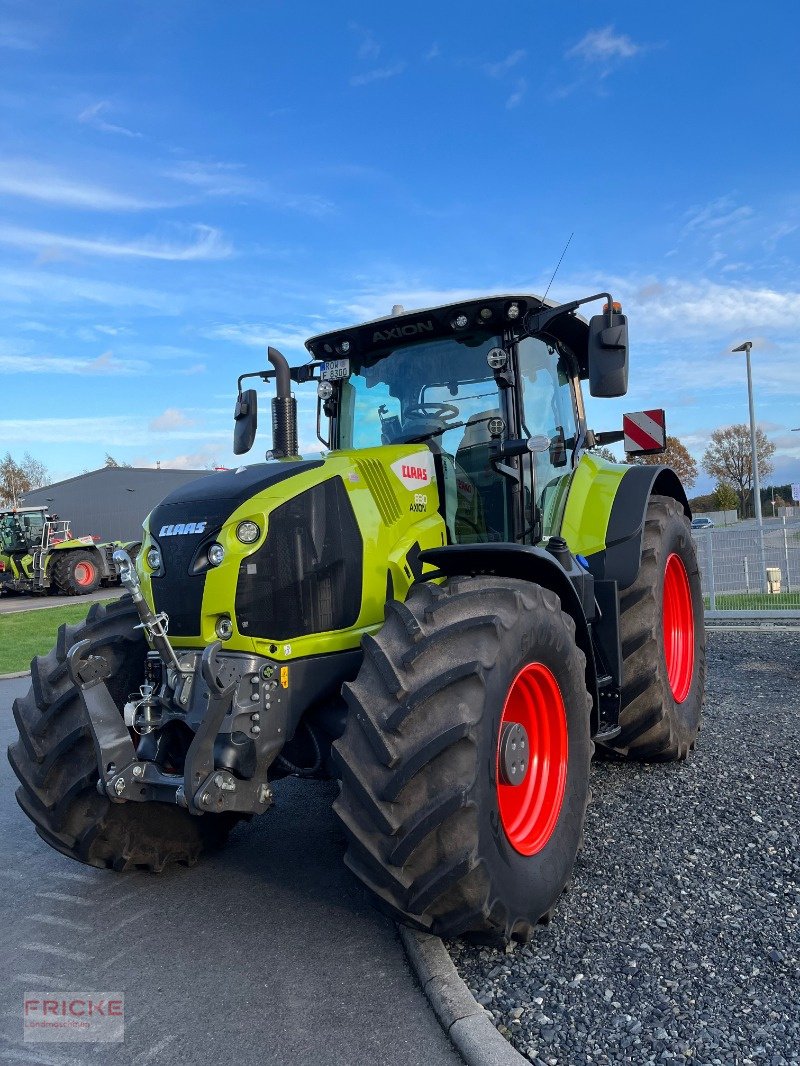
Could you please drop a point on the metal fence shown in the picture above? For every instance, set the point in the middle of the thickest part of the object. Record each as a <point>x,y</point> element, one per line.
<point>749,570</point>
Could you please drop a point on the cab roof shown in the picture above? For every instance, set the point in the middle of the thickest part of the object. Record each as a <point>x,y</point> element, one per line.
<point>484,314</point>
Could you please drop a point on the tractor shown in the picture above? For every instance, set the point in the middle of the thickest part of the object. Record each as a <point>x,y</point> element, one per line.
<point>447,606</point>
<point>38,554</point>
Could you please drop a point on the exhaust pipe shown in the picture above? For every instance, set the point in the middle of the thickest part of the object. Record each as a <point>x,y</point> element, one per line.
<point>284,409</point>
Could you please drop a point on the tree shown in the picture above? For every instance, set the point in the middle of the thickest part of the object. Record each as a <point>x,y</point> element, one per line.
<point>676,456</point>
<point>728,458</point>
<point>605,453</point>
<point>725,497</point>
<point>13,481</point>
<point>111,461</point>
<point>35,471</point>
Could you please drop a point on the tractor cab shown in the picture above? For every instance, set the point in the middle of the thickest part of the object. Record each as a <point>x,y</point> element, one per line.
<point>21,529</point>
<point>491,387</point>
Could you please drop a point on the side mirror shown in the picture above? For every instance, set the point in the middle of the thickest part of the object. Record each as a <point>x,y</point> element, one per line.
<point>608,355</point>
<point>246,421</point>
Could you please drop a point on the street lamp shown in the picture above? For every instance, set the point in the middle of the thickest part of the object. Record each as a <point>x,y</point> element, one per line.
<point>745,347</point>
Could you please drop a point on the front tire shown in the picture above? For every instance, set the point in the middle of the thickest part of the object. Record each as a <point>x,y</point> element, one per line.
<point>663,642</point>
<point>54,759</point>
<point>432,828</point>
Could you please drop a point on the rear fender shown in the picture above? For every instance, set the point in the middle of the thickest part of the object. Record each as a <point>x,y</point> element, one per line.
<point>523,562</point>
<point>101,559</point>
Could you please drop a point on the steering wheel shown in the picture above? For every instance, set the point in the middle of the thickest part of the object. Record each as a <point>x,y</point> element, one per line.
<point>431,409</point>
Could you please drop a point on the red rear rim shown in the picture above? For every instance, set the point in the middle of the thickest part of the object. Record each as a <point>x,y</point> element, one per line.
<point>678,628</point>
<point>84,574</point>
<point>529,811</point>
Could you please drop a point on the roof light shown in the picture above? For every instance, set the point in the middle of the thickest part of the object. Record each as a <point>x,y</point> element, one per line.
<point>486,313</point>
<point>497,358</point>
<point>324,390</point>
<point>344,347</point>
<point>460,322</point>
<point>513,311</point>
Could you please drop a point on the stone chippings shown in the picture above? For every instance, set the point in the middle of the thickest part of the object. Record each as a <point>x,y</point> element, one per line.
<point>678,940</point>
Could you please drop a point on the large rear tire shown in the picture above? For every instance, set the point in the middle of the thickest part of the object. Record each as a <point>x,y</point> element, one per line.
<point>55,761</point>
<point>663,642</point>
<point>76,573</point>
<point>432,828</point>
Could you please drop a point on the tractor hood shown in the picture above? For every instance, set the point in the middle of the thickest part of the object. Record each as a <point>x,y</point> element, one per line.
<point>188,521</point>
<point>304,552</point>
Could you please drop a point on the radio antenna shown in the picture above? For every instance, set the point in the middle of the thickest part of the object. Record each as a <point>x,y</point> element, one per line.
<point>558,264</point>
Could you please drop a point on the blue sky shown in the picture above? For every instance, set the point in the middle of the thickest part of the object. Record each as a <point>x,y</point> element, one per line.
<point>182,183</point>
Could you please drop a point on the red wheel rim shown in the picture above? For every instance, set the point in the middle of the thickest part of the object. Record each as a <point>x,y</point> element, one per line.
<point>84,574</point>
<point>678,618</point>
<point>529,811</point>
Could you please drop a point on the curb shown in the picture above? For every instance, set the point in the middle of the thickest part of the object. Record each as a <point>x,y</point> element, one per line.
<point>461,1016</point>
<point>13,677</point>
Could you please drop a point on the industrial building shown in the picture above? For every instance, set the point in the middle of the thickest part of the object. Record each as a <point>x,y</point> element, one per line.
<point>112,502</point>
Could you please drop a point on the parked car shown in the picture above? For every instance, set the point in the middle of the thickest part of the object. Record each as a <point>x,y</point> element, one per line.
<point>702,523</point>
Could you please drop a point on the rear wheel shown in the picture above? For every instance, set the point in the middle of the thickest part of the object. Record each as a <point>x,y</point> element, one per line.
<point>76,572</point>
<point>465,759</point>
<point>663,641</point>
<point>55,761</point>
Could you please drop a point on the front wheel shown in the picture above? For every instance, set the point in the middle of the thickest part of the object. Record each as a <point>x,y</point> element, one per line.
<point>465,760</point>
<point>663,641</point>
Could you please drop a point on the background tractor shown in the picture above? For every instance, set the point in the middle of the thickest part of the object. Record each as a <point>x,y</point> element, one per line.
<point>447,609</point>
<point>39,554</point>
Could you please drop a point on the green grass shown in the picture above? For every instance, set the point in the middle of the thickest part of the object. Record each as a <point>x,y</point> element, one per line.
<point>29,633</point>
<point>754,601</point>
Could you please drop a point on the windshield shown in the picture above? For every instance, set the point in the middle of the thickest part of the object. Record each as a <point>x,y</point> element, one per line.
<point>417,392</point>
<point>441,393</point>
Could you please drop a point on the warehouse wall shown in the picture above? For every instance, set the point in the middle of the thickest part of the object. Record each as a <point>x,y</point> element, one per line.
<point>111,502</point>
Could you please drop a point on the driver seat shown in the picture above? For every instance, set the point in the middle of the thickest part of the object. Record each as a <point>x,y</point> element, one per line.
<point>472,457</point>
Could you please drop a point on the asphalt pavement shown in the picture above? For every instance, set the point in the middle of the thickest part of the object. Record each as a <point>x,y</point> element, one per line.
<point>267,952</point>
<point>13,604</point>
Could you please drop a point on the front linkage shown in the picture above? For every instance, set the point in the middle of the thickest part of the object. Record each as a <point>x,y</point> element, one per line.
<point>218,697</point>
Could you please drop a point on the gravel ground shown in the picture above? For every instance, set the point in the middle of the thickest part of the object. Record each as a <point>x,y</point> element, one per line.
<point>678,940</point>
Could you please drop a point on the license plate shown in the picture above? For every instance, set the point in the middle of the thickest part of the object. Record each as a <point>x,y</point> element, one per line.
<point>335,370</point>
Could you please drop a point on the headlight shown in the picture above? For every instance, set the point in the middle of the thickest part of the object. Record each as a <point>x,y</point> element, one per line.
<point>248,532</point>
<point>224,628</point>
<point>153,558</point>
<point>216,553</point>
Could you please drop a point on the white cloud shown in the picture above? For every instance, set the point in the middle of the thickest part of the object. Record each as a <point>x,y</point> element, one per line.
<point>603,47</point>
<point>720,214</point>
<point>516,98</point>
<point>260,335</point>
<point>93,116</point>
<point>42,288</point>
<point>111,431</point>
<point>17,37</point>
<point>498,70</point>
<point>35,181</point>
<point>105,365</point>
<point>369,48</point>
<point>378,74</point>
<point>208,244</point>
<point>172,418</point>
<point>218,179</point>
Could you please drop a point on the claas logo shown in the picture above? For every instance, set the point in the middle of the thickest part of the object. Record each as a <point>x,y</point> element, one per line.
<point>417,473</point>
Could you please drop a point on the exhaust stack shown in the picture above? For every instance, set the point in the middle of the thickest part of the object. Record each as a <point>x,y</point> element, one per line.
<point>284,409</point>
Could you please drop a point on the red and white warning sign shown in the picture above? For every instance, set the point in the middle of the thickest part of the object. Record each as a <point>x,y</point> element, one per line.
<point>645,432</point>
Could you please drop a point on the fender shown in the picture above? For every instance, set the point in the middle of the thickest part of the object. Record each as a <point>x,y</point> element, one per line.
<point>101,557</point>
<point>529,564</point>
<point>621,557</point>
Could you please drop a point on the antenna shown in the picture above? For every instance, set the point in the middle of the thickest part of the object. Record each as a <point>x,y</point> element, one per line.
<point>558,264</point>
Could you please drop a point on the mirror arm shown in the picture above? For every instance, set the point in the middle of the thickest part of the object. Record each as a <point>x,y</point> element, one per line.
<point>535,321</point>
<point>265,375</point>
<point>613,436</point>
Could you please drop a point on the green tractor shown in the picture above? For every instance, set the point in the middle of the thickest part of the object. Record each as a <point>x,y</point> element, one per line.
<point>38,553</point>
<point>447,609</point>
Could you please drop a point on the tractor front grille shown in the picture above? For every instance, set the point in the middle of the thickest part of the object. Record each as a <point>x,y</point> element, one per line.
<point>306,577</point>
